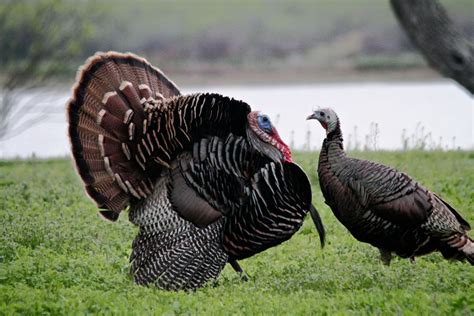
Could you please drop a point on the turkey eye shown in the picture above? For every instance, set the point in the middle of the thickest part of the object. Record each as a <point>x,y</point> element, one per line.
<point>322,114</point>
<point>265,119</point>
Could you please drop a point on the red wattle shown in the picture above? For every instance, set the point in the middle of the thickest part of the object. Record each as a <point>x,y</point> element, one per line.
<point>285,150</point>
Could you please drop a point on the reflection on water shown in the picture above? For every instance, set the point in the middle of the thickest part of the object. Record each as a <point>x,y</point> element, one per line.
<point>384,116</point>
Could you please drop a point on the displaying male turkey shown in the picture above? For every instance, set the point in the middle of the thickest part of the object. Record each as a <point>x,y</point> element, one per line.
<point>206,180</point>
<point>384,207</point>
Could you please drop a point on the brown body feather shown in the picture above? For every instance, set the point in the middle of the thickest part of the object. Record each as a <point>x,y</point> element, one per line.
<point>387,208</point>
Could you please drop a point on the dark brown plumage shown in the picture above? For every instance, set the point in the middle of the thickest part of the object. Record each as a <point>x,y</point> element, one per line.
<point>384,207</point>
<point>206,180</point>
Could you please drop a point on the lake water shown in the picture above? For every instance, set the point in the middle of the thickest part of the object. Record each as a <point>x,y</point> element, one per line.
<point>440,113</point>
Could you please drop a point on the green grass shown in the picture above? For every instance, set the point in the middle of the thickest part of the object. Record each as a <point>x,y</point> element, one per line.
<point>58,257</point>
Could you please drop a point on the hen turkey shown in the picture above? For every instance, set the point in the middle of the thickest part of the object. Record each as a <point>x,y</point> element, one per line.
<point>206,180</point>
<point>384,207</point>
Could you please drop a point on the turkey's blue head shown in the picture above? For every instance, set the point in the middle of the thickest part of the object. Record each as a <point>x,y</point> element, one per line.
<point>327,117</point>
<point>264,123</point>
<point>264,136</point>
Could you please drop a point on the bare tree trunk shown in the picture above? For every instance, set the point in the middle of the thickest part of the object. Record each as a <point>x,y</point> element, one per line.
<point>444,47</point>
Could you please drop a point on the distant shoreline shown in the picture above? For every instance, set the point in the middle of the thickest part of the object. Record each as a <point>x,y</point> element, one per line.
<point>299,76</point>
<point>291,76</point>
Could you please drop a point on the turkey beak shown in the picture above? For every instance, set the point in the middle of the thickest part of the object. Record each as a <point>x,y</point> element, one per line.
<point>312,117</point>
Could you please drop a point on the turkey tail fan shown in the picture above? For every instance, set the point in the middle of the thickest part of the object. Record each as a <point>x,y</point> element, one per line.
<point>318,223</point>
<point>170,252</point>
<point>107,104</point>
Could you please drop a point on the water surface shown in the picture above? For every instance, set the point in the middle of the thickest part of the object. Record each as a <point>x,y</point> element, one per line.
<point>441,113</point>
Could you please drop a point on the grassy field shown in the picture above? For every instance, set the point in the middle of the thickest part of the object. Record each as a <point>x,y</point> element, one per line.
<point>58,257</point>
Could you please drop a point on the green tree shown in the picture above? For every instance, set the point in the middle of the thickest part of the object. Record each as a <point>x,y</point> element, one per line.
<point>38,40</point>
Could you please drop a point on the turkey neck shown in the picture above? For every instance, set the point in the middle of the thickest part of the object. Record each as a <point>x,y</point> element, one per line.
<point>331,162</point>
<point>332,150</point>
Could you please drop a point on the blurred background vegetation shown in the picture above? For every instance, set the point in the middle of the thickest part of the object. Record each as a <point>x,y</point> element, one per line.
<point>43,42</point>
<point>244,39</point>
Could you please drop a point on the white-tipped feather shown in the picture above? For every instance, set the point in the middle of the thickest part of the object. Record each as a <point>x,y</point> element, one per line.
<point>128,116</point>
<point>124,85</point>
<point>107,95</point>
<point>100,116</point>
<point>101,145</point>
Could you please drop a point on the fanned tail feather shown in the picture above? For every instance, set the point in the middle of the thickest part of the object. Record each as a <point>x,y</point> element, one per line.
<point>106,110</point>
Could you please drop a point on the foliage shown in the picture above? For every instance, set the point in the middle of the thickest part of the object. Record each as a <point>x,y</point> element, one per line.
<point>38,40</point>
<point>58,257</point>
<point>213,34</point>
<point>258,30</point>
<point>399,61</point>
